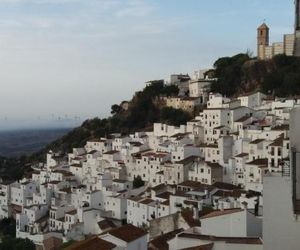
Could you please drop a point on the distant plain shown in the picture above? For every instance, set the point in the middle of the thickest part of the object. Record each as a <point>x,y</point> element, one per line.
<point>20,142</point>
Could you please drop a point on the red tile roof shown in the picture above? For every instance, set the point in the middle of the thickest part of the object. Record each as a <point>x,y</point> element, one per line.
<point>128,233</point>
<point>106,224</point>
<point>258,162</point>
<point>161,242</point>
<point>257,141</point>
<point>242,155</point>
<point>230,240</point>
<point>188,217</point>
<point>220,213</point>
<point>225,186</point>
<point>93,243</point>
<point>202,247</point>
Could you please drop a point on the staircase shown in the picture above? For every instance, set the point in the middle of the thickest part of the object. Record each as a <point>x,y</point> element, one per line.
<point>286,170</point>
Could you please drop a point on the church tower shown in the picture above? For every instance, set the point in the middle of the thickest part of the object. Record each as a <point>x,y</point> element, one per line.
<point>262,40</point>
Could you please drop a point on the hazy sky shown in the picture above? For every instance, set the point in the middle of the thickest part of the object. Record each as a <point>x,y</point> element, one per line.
<point>78,57</point>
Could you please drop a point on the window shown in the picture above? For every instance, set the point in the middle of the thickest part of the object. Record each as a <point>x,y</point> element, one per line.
<point>272,163</point>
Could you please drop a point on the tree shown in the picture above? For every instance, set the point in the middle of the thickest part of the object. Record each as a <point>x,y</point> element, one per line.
<point>173,116</point>
<point>229,72</point>
<point>115,109</point>
<point>8,242</point>
<point>8,227</point>
<point>138,182</point>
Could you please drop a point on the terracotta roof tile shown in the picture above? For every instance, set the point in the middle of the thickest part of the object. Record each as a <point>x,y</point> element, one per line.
<point>221,213</point>
<point>106,224</point>
<point>242,155</point>
<point>128,233</point>
<point>225,186</point>
<point>230,240</point>
<point>259,162</point>
<point>161,242</point>
<point>93,243</point>
<point>257,141</point>
<point>202,247</point>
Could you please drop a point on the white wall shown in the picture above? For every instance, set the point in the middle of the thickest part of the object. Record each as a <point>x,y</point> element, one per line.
<point>230,225</point>
<point>281,229</point>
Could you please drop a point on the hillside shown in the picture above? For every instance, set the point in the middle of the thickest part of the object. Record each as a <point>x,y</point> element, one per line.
<point>236,75</point>
<point>242,74</point>
<point>141,114</point>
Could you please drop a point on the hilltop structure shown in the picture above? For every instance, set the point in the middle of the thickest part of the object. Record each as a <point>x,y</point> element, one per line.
<point>265,50</point>
<point>290,45</point>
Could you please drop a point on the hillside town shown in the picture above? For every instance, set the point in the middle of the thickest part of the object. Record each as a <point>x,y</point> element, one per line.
<point>211,183</point>
<point>228,179</point>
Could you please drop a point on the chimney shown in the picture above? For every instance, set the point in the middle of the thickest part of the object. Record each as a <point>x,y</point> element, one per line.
<point>195,213</point>
<point>244,205</point>
<point>221,206</point>
<point>206,193</point>
<point>200,206</point>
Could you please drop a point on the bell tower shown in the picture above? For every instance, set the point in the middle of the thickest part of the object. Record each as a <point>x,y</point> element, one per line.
<point>262,40</point>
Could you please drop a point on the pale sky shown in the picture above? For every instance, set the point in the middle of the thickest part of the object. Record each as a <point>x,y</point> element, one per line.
<point>78,57</point>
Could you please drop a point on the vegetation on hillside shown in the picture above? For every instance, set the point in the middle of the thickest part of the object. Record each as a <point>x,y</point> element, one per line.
<point>141,114</point>
<point>138,182</point>
<point>8,238</point>
<point>241,74</point>
<point>12,168</point>
<point>235,75</point>
<point>283,78</point>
